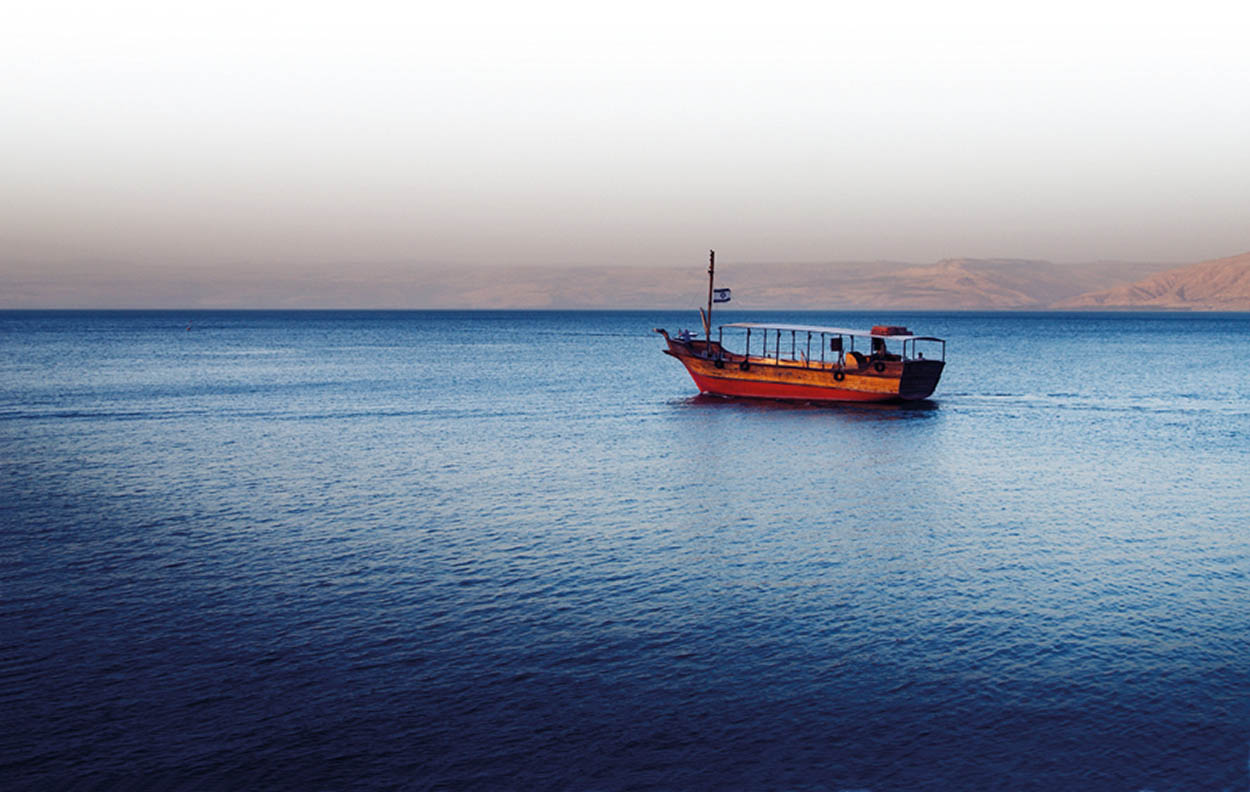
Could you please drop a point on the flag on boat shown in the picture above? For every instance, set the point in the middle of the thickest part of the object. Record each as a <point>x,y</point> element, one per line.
<point>720,295</point>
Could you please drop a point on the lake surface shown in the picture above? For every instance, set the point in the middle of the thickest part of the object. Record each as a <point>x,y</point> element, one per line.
<point>441,550</point>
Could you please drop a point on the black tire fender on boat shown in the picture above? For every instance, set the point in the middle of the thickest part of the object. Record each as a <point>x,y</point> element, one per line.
<point>879,366</point>
<point>744,365</point>
<point>719,363</point>
<point>838,375</point>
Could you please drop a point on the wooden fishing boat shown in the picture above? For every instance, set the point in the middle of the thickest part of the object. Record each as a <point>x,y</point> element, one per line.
<point>799,362</point>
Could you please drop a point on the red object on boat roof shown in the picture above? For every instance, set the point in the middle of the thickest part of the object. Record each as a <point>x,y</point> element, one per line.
<point>889,330</point>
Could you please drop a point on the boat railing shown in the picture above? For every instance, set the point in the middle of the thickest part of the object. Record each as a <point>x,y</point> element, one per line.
<point>834,347</point>
<point>917,354</point>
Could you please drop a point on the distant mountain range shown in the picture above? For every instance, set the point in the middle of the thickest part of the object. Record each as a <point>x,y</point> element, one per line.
<point>1219,285</point>
<point>950,284</point>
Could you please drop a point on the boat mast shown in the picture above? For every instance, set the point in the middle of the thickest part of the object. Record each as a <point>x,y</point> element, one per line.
<point>711,275</point>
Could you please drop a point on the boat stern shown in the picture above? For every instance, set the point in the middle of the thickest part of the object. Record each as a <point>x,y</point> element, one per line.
<point>919,379</point>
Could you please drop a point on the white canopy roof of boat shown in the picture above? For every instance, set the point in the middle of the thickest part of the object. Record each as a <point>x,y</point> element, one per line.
<point>827,330</point>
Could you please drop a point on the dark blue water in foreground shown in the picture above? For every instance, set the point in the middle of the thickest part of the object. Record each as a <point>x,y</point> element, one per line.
<point>514,550</point>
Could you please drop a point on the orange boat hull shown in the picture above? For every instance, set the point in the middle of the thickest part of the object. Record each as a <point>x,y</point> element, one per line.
<point>761,389</point>
<point>769,378</point>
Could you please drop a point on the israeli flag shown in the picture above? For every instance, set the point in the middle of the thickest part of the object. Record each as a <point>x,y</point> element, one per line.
<point>720,295</point>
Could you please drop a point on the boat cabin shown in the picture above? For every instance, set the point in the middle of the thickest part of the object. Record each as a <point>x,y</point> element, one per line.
<point>809,346</point>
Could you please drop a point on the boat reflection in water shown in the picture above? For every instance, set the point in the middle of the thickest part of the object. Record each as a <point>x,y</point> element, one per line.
<point>863,410</point>
<point>810,363</point>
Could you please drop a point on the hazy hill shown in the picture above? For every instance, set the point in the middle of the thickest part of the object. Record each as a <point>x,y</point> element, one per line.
<point>950,284</point>
<point>1220,285</point>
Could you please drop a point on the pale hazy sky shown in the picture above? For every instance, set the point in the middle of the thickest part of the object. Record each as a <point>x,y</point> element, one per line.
<point>278,135</point>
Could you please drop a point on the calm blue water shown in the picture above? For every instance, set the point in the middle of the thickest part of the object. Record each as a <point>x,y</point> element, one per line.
<point>514,550</point>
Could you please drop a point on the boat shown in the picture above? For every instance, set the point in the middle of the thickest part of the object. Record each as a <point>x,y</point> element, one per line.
<point>799,362</point>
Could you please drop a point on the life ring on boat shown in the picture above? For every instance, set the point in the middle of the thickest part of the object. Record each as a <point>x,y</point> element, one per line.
<point>745,365</point>
<point>878,366</point>
<point>719,363</point>
<point>838,375</point>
